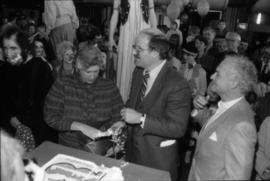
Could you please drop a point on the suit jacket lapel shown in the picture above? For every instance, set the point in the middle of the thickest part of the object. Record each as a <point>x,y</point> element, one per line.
<point>156,88</point>
<point>206,132</point>
<point>135,87</point>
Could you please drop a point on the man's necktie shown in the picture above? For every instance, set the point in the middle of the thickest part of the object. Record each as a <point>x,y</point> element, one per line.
<point>144,85</point>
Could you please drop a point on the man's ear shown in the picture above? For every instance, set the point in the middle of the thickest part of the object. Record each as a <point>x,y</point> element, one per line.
<point>155,53</point>
<point>235,80</point>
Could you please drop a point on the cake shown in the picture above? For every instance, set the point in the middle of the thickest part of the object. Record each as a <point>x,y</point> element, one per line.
<point>63,167</point>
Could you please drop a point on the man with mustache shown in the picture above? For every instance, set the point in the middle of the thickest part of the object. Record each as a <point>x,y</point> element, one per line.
<point>158,107</point>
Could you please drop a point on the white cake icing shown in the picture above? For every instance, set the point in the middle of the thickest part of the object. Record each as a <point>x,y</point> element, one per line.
<point>64,167</point>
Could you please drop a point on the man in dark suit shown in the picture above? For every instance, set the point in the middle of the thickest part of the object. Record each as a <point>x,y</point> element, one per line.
<point>158,107</point>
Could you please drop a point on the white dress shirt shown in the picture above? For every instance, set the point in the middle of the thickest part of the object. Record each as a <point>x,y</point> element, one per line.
<point>222,107</point>
<point>152,76</point>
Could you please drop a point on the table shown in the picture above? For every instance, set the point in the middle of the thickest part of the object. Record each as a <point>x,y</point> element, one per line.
<point>131,172</point>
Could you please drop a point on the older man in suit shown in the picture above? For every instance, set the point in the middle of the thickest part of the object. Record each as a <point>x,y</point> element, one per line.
<point>226,143</point>
<point>158,107</point>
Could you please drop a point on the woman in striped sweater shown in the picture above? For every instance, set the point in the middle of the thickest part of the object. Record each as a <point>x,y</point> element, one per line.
<point>81,106</point>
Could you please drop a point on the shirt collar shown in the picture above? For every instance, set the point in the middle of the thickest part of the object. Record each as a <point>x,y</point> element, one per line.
<point>154,72</point>
<point>228,104</point>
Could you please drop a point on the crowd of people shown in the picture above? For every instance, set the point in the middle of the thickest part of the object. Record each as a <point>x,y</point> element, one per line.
<point>198,100</point>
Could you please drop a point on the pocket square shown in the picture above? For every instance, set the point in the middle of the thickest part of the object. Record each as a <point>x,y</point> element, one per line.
<point>213,136</point>
<point>167,143</point>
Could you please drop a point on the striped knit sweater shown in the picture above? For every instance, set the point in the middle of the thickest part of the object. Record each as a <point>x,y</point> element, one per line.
<point>97,105</point>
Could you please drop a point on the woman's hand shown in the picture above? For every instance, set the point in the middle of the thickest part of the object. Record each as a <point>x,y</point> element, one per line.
<point>117,126</point>
<point>88,131</point>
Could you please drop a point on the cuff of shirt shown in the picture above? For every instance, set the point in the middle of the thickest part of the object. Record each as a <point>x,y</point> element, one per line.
<point>142,120</point>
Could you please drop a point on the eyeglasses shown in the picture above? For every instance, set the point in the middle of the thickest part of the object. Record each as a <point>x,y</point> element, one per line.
<point>139,49</point>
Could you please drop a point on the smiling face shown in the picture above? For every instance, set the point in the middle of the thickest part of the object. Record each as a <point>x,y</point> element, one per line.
<point>68,56</point>
<point>39,49</point>
<point>142,54</point>
<point>209,35</point>
<point>223,79</point>
<point>12,50</point>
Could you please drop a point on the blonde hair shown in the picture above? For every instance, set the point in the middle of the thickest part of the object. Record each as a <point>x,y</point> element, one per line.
<point>12,151</point>
<point>62,48</point>
<point>89,56</point>
<point>233,36</point>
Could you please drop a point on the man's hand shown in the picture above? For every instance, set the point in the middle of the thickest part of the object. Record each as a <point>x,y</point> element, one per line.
<point>200,102</point>
<point>117,126</point>
<point>131,116</point>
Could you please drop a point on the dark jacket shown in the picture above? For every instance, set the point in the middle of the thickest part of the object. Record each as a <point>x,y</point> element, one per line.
<point>167,108</point>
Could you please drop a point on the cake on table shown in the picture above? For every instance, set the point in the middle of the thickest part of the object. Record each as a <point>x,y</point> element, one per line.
<point>67,168</point>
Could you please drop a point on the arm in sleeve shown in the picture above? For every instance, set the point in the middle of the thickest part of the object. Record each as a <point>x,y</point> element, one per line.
<point>29,107</point>
<point>49,15</point>
<point>239,151</point>
<point>37,88</point>
<point>113,23</point>
<point>262,161</point>
<point>117,104</point>
<point>74,17</point>
<point>202,81</point>
<point>54,108</point>
<point>174,122</point>
<point>180,38</point>
<point>152,14</point>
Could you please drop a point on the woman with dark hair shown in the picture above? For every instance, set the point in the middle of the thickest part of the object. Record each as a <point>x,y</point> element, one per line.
<point>38,50</point>
<point>135,15</point>
<point>27,82</point>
